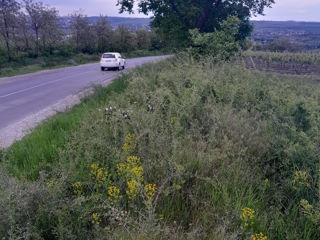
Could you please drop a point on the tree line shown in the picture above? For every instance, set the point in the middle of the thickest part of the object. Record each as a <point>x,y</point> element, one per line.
<point>29,28</point>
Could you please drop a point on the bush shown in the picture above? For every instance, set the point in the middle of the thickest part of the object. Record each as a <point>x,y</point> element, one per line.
<point>222,44</point>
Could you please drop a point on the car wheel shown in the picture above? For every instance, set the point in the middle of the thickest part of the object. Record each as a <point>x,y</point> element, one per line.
<point>102,68</point>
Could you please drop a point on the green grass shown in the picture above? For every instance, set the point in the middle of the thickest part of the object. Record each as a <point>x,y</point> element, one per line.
<point>40,149</point>
<point>30,65</point>
<point>214,138</point>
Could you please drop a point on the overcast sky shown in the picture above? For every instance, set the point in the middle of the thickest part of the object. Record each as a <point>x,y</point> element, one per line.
<point>297,10</point>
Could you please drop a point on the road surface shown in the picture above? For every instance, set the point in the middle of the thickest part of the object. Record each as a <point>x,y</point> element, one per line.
<point>26,100</point>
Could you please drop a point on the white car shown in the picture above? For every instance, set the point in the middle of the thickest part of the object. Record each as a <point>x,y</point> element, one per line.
<point>112,60</point>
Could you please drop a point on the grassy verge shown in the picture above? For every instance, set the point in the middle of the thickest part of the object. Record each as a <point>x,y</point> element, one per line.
<point>39,150</point>
<point>180,149</point>
<point>30,65</point>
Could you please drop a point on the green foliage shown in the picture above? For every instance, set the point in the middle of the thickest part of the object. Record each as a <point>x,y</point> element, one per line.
<point>222,44</point>
<point>233,153</point>
<point>302,118</point>
<point>35,30</point>
<point>66,50</point>
<point>176,18</point>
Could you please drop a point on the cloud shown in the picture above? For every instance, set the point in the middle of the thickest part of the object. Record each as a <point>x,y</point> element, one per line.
<point>90,7</point>
<point>299,10</point>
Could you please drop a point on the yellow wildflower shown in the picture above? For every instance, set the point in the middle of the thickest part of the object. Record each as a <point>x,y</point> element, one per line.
<point>93,168</point>
<point>300,179</point>
<point>51,183</point>
<point>133,160</point>
<point>77,188</point>
<point>100,175</point>
<point>259,236</point>
<point>247,216</point>
<point>133,189</point>
<point>114,194</point>
<point>137,173</point>
<point>129,144</point>
<point>150,190</point>
<point>132,168</point>
<point>173,119</point>
<point>307,207</point>
<point>96,218</point>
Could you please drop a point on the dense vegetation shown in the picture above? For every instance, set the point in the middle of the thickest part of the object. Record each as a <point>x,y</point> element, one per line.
<point>179,149</point>
<point>193,147</point>
<point>177,18</point>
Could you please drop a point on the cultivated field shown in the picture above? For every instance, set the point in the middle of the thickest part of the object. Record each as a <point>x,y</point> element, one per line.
<point>286,63</point>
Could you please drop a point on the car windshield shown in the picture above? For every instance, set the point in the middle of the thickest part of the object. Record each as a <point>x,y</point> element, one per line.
<point>109,56</point>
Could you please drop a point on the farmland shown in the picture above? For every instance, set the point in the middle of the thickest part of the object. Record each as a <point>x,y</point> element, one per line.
<point>301,63</point>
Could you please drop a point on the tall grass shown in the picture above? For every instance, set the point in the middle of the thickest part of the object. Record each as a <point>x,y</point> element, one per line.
<point>232,153</point>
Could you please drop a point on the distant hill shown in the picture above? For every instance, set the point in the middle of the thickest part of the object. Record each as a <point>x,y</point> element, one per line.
<point>307,34</point>
<point>131,23</point>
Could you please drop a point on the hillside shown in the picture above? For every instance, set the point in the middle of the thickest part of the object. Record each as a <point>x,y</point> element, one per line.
<point>306,34</point>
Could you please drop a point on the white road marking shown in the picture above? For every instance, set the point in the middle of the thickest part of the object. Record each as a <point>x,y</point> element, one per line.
<point>40,85</point>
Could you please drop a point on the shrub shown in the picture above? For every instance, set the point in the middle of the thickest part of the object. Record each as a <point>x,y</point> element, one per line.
<point>221,43</point>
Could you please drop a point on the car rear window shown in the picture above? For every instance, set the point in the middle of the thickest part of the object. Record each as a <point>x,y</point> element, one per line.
<point>109,56</point>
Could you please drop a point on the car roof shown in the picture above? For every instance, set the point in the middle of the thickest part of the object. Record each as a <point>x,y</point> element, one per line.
<point>112,53</point>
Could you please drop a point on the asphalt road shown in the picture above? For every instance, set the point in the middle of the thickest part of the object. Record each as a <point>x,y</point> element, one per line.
<point>26,100</point>
<point>24,95</point>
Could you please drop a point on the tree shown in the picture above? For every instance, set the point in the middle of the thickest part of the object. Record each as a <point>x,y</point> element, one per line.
<point>82,32</point>
<point>175,18</point>
<point>123,39</point>
<point>34,12</point>
<point>8,20</point>
<point>104,34</point>
<point>50,31</point>
<point>44,22</point>
<point>143,39</point>
<point>24,30</point>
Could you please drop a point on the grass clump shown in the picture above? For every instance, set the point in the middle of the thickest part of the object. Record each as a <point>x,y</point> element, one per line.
<point>187,150</point>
